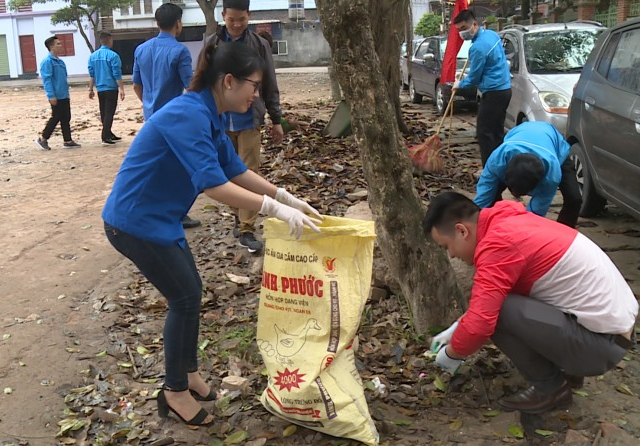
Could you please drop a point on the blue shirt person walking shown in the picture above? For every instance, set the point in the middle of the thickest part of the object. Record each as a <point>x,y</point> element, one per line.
<point>533,160</point>
<point>105,69</point>
<point>53,72</point>
<point>162,68</point>
<point>488,69</point>
<point>180,152</point>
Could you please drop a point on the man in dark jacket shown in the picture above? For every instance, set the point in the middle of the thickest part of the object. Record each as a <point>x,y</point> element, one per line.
<point>244,128</point>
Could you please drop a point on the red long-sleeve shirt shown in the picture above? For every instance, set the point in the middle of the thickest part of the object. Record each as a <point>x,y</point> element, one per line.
<point>521,253</point>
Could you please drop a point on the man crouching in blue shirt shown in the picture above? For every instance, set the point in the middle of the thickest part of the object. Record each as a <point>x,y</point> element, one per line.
<point>533,160</point>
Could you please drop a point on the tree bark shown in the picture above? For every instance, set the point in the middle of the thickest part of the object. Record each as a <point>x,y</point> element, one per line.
<point>336,94</point>
<point>83,33</point>
<point>421,267</point>
<point>388,19</point>
<point>208,9</point>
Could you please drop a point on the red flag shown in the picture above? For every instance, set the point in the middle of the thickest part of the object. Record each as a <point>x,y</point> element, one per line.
<point>454,42</point>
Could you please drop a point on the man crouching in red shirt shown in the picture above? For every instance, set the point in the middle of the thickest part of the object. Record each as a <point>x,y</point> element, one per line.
<point>547,296</point>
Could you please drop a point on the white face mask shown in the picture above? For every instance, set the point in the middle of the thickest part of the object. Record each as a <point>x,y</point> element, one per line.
<point>467,34</point>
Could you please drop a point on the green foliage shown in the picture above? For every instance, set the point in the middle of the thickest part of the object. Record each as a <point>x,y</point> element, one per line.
<point>491,20</point>
<point>429,25</point>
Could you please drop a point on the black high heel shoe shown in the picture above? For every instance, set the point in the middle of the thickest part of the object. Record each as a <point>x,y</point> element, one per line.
<point>196,396</point>
<point>164,408</point>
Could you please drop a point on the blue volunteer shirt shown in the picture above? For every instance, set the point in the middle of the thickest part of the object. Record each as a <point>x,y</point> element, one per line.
<point>488,68</point>
<point>105,67</point>
<point>53,72</point>
<point>180,151</point>
<point>537,138</point>
<point>162,66</point>
<point>239,121</point>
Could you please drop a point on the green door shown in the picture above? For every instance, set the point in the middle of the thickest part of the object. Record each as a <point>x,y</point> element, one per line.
<point>4,56</point>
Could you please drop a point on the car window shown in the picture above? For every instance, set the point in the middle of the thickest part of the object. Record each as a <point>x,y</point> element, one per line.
<point>559,51</point>
<point>463,53</point>
<point>511,51</point>
<point>433,47</point>
<point>607,55</point>
<point>625,65</point>
<point>422,50</point>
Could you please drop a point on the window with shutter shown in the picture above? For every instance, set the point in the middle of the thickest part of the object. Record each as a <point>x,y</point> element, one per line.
<point>66,40</point>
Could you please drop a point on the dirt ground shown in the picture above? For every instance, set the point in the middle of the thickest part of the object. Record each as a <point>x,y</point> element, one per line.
<point>56,266</point>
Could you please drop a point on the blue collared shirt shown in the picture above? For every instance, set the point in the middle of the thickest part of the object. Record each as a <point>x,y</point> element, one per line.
<point>180,151</point>
<point>239,121</point>
<point>105,67</point>
<point>537,138</point>
<point>488,68</point>
<point>53,72</point>
<point>162,66</point>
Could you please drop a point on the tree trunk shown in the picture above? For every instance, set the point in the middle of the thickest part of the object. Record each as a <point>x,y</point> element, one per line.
<point>83,33</point>
<point>208,9</point>
<point>336,94</point>
<point>388,19</point>
<point>421,267</point>
<point>525,7</point>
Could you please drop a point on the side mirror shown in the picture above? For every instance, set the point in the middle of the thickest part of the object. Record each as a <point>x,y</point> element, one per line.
<point>429,56</point>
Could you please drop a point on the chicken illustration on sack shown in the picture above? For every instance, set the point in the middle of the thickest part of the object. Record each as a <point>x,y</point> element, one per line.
<point>287,345</point>
<point>313,293</point>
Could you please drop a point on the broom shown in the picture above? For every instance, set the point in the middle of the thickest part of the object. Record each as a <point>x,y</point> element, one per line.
<point>426,156</point>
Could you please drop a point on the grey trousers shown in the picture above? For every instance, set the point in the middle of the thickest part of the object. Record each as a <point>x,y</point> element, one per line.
<point>542,342</point>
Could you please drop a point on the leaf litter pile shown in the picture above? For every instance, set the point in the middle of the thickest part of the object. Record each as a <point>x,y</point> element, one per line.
<point>411,401</point>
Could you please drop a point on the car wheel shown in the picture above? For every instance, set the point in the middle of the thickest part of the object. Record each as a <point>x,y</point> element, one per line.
<point>592,203</point>
<point>415,97</point>
<point>441,103</point>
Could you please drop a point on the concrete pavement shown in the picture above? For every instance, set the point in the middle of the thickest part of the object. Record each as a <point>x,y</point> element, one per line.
<point>84,79</point>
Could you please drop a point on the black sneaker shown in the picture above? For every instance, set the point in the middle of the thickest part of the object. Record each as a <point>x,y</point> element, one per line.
<point>248,240</point>
<point>43,144</point>
<point>188,222</point>
<point>108,142</point>
<point>71,144</point>
<point>115,138</point>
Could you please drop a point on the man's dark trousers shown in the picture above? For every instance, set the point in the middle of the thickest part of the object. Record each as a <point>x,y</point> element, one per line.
<point>108,102</point>
<point>60,113</point>
<point>490,121</point>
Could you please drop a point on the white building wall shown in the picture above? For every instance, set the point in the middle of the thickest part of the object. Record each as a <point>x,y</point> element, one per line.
<point>418,9</point>
<point>38,24</point>
<point>9,28</point>
<point>77,64</point>
<point>192,15</point>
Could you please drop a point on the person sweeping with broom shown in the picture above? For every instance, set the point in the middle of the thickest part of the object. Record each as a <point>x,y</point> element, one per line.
<point>489,71</point>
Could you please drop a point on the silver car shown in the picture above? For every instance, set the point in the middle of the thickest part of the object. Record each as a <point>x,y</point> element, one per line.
<point>545,63</point>
<point>604,122</point>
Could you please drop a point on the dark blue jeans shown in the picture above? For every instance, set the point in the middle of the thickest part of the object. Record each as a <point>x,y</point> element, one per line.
<point>173,272</point>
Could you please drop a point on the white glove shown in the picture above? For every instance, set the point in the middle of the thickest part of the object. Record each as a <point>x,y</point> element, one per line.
<point>294,217</point>
<point>456,84</point>
<point>446,362</point>
<point>444,337</point>
<point>285,197</point>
